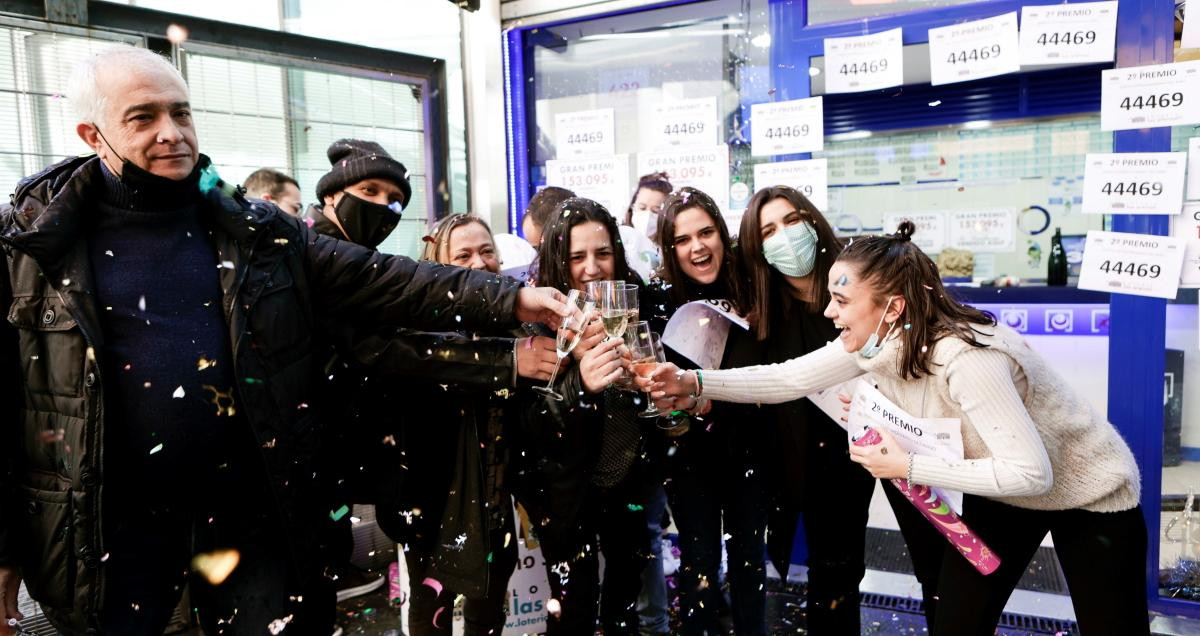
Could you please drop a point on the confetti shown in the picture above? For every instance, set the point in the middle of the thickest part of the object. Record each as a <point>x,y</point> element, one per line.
<point>156,449</point>
<point>554,607</point>
<point>216,566</point>
<point>337,515</point>
<point>179,392</point>
<point>204,363</point>
<point>433,584</point>
<point>277,626</point>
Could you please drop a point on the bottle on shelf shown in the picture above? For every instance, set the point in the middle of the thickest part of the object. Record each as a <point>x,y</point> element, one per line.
<point>1056,267</point>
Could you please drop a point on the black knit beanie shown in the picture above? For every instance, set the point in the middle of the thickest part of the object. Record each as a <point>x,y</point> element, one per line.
<point>353,160</point>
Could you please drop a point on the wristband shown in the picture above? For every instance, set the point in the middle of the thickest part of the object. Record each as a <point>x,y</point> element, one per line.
<point>699,383</point>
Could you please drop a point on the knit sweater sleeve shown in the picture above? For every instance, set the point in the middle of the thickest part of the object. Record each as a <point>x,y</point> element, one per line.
<point>783,382</point>
<point>981,383</point>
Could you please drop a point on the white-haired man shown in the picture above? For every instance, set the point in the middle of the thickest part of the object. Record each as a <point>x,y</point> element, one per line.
<point>156,373</point>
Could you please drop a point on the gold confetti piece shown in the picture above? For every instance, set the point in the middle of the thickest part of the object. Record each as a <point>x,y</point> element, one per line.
<point>216,566</point>
<point>204,363</point>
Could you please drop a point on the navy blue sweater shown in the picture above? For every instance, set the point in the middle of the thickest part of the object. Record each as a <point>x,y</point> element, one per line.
<point>166,359</point>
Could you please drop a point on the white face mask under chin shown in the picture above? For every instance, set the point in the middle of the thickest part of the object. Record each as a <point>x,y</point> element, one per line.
<point>874,344</point>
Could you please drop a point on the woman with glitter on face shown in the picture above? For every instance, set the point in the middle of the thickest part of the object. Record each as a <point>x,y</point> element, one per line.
<point>1038,458</point>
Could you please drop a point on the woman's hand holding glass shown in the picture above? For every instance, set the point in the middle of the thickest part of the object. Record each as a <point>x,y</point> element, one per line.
<point>669,382</point>
<point>602,364</point>
<point>570,332</point>
<point>593,334</point>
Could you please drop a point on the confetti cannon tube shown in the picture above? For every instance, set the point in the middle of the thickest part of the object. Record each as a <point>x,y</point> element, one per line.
<point>942,517</point>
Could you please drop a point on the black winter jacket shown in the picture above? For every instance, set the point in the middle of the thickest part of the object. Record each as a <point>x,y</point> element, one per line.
<point>278,276</point>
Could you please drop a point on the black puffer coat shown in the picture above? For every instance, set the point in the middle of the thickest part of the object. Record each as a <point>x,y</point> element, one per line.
<point>279,275</point>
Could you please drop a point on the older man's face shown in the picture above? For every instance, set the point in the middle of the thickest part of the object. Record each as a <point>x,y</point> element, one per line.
<point>148,121</point>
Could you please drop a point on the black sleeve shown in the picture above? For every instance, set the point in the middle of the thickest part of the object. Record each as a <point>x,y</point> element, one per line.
<point>10,430</point>
<point>485,363</point>
<point>369,287</point>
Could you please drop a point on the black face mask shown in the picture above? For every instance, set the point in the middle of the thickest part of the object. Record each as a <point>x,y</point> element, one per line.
<point>143,180</point>
<point>364,222</point>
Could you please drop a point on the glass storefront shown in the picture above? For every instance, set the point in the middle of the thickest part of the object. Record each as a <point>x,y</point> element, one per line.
<point>989,169</point>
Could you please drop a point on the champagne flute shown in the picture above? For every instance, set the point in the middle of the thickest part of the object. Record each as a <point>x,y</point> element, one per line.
<point>569,334</point>
<point>647,355</point>
<point>610,300</point>
<point>630,292</point>
<point>631,301</point>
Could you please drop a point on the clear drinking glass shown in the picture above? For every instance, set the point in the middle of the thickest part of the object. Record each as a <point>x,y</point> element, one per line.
<point>569,334</point>
<point>630,291</point>
<point>610,300</point>
<point>647,355</point>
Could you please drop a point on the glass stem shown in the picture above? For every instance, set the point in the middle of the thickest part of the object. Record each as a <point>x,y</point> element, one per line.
<point>554,373</point>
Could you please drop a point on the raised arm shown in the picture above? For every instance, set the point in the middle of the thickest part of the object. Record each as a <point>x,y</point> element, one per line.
<point>350,280</point>
<point>980,381</point>
<point>763,384</point>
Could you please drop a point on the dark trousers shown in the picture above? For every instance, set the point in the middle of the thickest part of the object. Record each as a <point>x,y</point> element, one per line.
<point>715,491</point>
<point>147,567</point>
<point>837,502</point>
<point>612,521</point>
<point>1103,556</point>
<point>431,613</point>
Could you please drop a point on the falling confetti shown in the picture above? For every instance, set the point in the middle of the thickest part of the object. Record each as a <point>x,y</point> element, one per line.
<point>216,566</point>
<point>554,607</point>
<point>156,449</point>
<point>204,363</point>
<point>179,392</point>
<point>277,626</point>
<point>337,515</point>
<point>434,584</point>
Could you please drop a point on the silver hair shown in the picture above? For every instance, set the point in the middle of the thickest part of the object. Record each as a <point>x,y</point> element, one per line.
<point>83,89</point>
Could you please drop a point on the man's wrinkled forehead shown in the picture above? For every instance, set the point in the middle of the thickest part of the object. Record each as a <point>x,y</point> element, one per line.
<point>140,86</point>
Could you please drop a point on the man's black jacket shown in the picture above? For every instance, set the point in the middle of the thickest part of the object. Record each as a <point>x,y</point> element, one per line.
<point>277,278</point>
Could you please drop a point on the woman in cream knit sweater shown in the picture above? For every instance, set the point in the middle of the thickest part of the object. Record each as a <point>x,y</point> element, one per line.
<point>1038,459</point>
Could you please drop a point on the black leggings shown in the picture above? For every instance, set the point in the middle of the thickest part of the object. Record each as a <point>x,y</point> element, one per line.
<point>1103,556</point>
<point>613,521</point>
<point>480,615</point>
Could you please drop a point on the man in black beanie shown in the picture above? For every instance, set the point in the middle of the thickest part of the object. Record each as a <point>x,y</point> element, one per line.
<point>362,195</point>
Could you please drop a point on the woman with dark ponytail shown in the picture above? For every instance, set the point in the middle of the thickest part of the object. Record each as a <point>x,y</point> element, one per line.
<point>1038,458</point>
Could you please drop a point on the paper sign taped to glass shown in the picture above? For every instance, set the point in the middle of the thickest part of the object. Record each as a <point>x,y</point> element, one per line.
<point>937,437</point>
<point>699,329</point>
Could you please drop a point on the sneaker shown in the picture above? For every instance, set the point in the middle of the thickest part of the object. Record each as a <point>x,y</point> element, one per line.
<point>351,582</point>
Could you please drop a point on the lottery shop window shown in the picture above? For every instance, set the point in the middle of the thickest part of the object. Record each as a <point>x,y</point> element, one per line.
<point>614,98</point>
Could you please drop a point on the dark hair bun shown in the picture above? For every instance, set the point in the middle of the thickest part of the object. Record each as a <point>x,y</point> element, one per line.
<point>905,230</point>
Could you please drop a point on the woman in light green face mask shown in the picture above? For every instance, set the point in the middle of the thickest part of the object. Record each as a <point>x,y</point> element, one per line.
<point>786,248</point>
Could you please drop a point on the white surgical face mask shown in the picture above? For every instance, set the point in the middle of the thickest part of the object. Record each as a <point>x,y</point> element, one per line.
<point>874,344</point>
<point>642,221</point>
<point>792,251</point>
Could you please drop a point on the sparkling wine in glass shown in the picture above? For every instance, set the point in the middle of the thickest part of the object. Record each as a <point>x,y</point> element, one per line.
<point>647,350</point>
<point>610,300</point>
<point>569,334</point>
